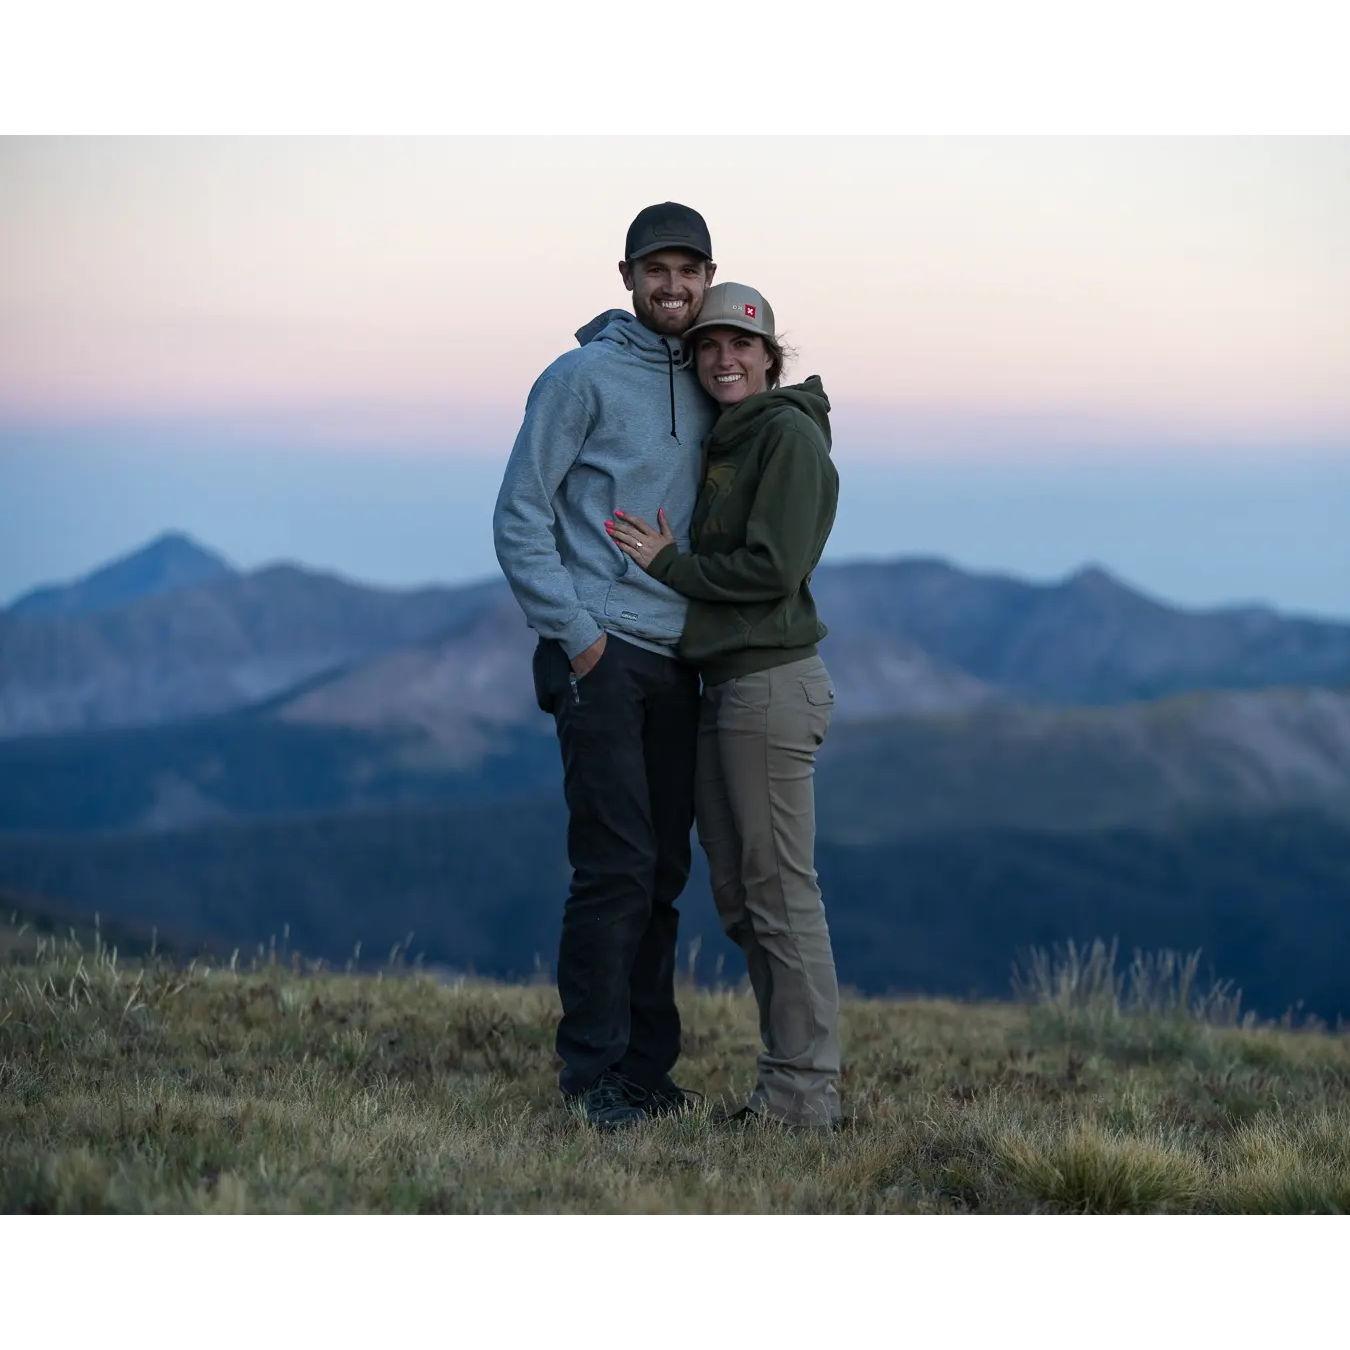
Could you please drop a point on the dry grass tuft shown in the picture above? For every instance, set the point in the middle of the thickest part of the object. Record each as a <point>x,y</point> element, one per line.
<point>1089,1169</point>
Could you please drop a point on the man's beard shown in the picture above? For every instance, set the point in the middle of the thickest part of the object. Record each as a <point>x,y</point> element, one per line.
<point>669,322</point>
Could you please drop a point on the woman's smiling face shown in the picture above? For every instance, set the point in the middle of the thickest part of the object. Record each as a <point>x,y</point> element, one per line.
<point>732,364</point>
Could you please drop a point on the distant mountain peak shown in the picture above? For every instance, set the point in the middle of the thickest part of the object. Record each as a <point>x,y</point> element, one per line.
<point>173,541</point>
<point>1094,582</point>
<point>1093,576</point>
<point>171,561</point>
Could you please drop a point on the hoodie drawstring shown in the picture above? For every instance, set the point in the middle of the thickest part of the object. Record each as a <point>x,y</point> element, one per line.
<point>670,370</point>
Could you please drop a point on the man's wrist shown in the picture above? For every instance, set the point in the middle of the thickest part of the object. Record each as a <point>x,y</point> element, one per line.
<point>584,632</point>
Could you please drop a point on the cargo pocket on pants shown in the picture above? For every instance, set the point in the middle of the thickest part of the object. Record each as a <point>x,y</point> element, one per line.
<point>820,696</point>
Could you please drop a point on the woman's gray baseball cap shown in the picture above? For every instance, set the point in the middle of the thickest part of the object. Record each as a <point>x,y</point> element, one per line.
<point>731,305</point>
<point>667,225</point>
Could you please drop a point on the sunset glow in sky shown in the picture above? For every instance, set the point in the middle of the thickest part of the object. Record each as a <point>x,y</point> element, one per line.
<point>994,302</point>
<point>965,295</point>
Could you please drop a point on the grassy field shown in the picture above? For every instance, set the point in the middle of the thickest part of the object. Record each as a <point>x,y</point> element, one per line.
<point>149,1086</point>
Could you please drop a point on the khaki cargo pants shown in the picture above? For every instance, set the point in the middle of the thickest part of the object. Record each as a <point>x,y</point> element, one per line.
<point>755,808</point>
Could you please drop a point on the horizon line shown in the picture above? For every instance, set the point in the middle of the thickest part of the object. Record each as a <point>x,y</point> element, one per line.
<point>1087,568</point>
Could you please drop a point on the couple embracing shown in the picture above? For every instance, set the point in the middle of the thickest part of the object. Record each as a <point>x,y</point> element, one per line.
<point>664,505</point>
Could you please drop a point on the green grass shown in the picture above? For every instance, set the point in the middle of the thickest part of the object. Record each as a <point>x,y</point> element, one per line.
<point>149,1086</point>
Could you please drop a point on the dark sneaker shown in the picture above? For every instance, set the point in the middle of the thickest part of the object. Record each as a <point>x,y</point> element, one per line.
<point>667,1098</point>
<point>607,1103</point>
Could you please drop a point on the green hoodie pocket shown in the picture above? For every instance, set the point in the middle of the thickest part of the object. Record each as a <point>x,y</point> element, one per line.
<point>763,623</point>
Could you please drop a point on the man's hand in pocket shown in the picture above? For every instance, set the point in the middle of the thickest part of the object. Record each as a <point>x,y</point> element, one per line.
<point>584,662</point>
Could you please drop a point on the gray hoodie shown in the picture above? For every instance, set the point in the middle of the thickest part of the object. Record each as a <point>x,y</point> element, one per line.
<point>619,422</point>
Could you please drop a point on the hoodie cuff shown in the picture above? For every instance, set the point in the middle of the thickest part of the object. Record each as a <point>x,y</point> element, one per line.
<point>581,633</point>
<point>661,564</point>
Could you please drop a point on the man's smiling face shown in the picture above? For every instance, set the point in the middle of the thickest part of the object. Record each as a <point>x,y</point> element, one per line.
<point>668,288</point>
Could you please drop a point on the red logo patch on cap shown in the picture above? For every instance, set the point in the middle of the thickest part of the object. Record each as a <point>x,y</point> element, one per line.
<point>749,311</point>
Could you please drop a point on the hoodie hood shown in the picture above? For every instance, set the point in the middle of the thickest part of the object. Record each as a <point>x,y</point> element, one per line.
<point>807,398</point>
<point>588,332</point>
<point>622,328</point>
<point>635,341</point>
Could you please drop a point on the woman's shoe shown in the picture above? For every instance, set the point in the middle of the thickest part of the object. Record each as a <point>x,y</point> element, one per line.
<point>744,1116</point>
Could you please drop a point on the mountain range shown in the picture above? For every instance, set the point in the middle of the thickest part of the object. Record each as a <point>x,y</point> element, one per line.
<point>910,635</point>
<point>202,747</point>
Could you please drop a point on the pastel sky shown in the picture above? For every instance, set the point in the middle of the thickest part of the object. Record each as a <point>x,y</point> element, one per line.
<point>991,302</point>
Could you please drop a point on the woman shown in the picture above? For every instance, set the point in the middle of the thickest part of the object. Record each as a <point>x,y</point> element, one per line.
<point>765,511</point>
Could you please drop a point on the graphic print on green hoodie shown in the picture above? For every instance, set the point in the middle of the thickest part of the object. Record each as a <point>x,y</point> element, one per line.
<point>764,513</point>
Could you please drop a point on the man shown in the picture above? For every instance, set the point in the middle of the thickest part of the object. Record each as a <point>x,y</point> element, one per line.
<point>617,424</point>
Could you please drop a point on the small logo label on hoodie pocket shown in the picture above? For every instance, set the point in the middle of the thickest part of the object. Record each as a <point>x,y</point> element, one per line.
<point>627,614</point>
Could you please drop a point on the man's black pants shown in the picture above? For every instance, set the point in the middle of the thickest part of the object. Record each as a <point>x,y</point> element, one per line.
<point>629,734</point>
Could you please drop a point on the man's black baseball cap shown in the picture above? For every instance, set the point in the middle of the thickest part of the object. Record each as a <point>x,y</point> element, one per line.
<point>668,225</point>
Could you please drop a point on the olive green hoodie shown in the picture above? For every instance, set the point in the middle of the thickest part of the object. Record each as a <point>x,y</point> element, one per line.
<point>760,524</point>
